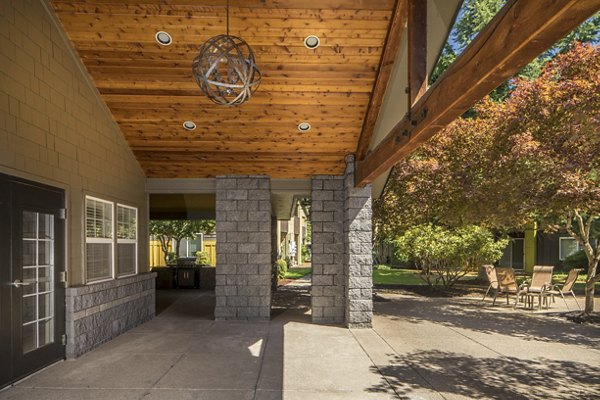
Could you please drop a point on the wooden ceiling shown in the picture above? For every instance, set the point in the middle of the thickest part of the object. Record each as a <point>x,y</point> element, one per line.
<point>150,90</point>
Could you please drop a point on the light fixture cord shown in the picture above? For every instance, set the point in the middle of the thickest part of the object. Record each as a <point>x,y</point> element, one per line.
<point>227,17</point>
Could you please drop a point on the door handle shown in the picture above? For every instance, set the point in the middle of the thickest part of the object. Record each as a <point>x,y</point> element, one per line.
<point>17,283</point>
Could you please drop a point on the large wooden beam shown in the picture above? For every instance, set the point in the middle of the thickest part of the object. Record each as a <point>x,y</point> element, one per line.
<point>386,64</point>
<point>520,31</point>
<point>417,50</point>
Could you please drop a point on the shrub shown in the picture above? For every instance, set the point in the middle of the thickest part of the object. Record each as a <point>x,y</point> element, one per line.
<point>202,258</point>
<point>445,255</point>
<point>306,255</point>
<point>282,268</point>
<point>576,260</point>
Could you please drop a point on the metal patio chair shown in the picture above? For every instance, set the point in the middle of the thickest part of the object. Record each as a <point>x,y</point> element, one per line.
<point>540,284</point>
<point>502,281</point>
<point>567,287</point>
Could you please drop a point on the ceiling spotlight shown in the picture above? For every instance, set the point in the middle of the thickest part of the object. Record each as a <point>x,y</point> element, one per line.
<point>312,42</point>
<point>189,125</point>
<point>304,127</point>
<point>163,38</point>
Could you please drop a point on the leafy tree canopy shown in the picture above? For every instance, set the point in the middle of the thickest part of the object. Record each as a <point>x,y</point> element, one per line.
<point>475,15</point>
<point>534,156</point>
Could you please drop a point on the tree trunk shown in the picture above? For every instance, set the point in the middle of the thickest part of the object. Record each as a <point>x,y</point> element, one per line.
<point>164,246</point>
<point>589,298</point>
<point>584,223</point>
<point>590,286</point>
<point>177,243</point>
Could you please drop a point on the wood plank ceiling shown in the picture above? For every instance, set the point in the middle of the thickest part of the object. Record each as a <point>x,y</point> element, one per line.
<point>150,90</point>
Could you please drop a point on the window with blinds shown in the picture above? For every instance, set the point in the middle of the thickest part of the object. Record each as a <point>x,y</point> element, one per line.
<point>126,240</point>
<point>99,242</point>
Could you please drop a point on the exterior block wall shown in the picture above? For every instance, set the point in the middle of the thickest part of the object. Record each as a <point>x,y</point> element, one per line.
<point>341,250</point>
<point>243,224</point>
<point>97,313</point>
<point>328,279</point>
<point>55,129</point>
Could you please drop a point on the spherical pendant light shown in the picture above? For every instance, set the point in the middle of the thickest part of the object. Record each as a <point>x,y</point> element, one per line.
<point>225,69</point>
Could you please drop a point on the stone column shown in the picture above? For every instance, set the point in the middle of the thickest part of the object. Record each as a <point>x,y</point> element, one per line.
<point>327,215</point>
<point>358,263</point>
<point>342,259</point>
<point>243,225</point>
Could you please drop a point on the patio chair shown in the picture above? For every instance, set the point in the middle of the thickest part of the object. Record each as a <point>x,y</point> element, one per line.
<point>502,281</point>
<point>540,284</point>
<point>567,287</point>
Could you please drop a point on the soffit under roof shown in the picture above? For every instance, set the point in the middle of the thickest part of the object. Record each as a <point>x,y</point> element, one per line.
<point>150,90</point>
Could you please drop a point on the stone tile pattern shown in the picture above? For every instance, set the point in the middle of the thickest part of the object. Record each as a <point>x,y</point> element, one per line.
<point>341,250</point>
<point>55,128</point>
<point>243,224</point>
<point>328,280</point>
<point>98,313</point>
<point>358,263</point>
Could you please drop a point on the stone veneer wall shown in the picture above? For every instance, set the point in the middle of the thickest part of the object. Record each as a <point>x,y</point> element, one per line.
<point>328,280</point>
<point>341,250</point>
<point>243,224</point>
<point>358,265</point>
<point>97,313</point>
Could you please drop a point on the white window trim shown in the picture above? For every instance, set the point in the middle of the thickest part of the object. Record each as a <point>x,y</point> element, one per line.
<point>128,241</point>
<point>113,241</point>
<point>561,256</point>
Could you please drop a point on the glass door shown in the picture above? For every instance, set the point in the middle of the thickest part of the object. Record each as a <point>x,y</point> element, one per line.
<point>38,268</point>
<point>32,302</point>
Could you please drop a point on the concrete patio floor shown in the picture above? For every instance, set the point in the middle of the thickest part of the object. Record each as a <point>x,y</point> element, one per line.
<point>420,348</point>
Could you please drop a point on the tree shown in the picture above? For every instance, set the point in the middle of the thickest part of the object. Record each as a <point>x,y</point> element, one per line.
<point>474,15</point>
<point>548,135</point>
<point>533,157</point>
<point>161,230</point>
<point>166,231</point>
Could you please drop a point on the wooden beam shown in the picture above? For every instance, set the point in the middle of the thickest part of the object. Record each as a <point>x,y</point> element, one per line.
<point>417,50</point>
<point>392,44</point>
<point>520,31</point>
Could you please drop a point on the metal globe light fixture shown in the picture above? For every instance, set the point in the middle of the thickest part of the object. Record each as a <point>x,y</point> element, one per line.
<point>225,69</point>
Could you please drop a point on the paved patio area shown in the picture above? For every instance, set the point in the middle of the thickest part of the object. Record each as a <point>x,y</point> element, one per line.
<point>420,348</point>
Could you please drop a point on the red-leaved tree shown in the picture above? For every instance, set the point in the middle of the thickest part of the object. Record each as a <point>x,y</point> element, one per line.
<point>533,157</point>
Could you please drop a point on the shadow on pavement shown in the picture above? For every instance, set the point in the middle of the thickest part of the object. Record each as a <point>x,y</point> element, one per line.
<point>498,377</point>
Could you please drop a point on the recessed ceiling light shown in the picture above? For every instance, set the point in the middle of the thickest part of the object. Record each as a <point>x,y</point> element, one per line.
<point>304,127</point>
<point>312,41</point>
<point>163,38</point>
<point>189,125</point>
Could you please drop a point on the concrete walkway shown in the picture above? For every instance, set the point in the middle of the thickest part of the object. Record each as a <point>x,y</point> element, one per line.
<point>420,348</point>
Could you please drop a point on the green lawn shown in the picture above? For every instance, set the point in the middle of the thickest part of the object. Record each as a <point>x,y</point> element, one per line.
<point>396,277</point>
<point>295,273</point>
<point>384,275</point>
